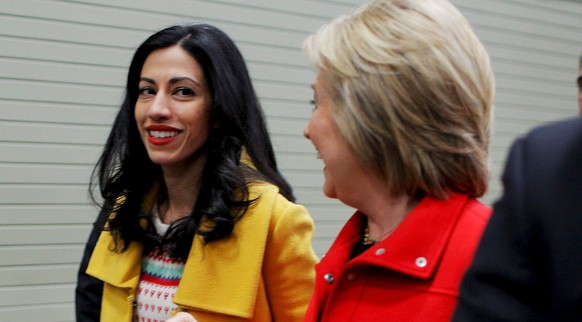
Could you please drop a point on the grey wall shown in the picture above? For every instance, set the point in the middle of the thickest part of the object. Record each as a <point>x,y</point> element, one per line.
<point>62,69</point>
<point>534,47</point>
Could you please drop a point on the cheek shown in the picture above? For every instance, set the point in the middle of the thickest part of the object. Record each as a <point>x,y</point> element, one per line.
<point>198,124</point>
<point>139,114</point>
<point>319,130</point>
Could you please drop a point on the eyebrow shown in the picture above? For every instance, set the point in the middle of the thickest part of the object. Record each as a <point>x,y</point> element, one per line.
<point>172,80</point>
<point>146,79</point>
<point>314,89</point>
<point>179,79</point>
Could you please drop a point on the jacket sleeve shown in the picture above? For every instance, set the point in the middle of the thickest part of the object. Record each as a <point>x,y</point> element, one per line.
<point>502,281</point>
<point>289,266</point>
<point>89,290</point>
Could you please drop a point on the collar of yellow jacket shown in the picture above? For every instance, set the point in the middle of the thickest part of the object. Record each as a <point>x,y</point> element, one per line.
<point>221,277</point>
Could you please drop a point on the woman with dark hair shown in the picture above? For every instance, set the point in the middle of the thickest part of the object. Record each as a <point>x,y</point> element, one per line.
<point>196,215</point>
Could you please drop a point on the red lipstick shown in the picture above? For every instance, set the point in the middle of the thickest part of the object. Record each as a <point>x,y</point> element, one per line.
<point>161,134</point>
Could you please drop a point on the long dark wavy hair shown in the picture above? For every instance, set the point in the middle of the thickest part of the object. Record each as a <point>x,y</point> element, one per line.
<point>124,168</point>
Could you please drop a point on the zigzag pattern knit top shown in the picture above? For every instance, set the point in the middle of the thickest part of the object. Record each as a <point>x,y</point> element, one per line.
<point>158,283</point>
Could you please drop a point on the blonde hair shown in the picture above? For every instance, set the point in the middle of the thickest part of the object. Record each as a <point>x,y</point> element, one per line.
<point>412,89</point>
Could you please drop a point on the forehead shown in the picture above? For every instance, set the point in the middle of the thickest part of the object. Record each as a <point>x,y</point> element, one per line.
<point>172,60</point>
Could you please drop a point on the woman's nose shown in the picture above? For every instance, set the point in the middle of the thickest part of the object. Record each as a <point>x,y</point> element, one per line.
<point>159,109</point>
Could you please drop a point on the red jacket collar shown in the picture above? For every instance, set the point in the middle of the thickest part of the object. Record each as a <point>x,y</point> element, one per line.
<point>415,248</point>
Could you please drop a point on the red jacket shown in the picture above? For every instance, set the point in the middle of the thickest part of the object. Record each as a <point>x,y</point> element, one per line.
<point>412,275</point>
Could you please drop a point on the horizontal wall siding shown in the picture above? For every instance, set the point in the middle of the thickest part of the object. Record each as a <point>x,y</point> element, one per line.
<point>62,70</point>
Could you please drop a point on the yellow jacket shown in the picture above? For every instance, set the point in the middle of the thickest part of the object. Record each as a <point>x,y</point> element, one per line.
<point>263,272</point>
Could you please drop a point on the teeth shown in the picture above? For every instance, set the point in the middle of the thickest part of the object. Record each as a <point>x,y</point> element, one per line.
<point>163,134</point>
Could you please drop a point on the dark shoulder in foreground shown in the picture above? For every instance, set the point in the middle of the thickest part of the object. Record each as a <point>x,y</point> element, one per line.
<point>556,133</point>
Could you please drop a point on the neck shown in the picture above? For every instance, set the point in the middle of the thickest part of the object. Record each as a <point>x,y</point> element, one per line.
<point>182,188</point>
<point>384,215</point>
<point>371,196</point>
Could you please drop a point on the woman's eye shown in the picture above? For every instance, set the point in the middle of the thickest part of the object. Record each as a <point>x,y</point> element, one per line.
<point>145,91</point>
<point>184,91</point>
<point>313,103</point>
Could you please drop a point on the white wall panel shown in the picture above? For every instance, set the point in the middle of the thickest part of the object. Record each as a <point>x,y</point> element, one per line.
<point>48,153</point>
<point>62,70</point>
<point>33,295</point>
<point>47,214</point>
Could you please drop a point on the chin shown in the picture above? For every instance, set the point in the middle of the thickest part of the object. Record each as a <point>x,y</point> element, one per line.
<point>330,193</point>
<point>161,160</point>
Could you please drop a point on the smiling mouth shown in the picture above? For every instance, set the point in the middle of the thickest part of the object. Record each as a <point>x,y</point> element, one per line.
<point>162,134</point>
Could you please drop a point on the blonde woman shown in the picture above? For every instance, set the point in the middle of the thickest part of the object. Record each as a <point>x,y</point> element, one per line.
<point>401,120</point>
